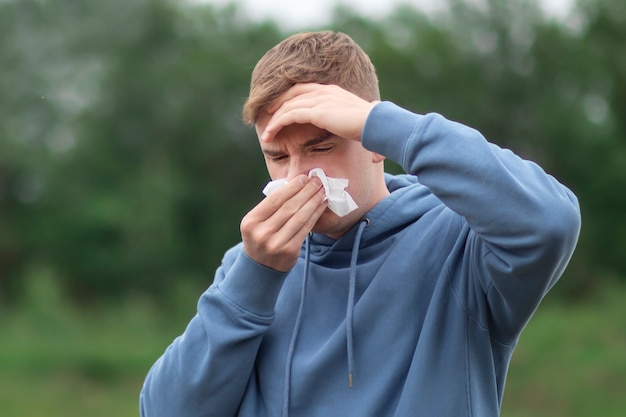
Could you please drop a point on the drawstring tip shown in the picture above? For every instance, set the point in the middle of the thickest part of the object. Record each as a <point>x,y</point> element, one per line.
<point>350,380</point>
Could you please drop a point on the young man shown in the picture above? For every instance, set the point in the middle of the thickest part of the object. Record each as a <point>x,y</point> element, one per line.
<point>409,305</point>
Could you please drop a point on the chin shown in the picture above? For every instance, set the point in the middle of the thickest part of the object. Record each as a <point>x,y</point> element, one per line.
<point>331,225</point>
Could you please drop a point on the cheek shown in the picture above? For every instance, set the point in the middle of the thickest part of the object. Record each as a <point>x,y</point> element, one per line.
<point>359,186</point>
<point>275,172</point>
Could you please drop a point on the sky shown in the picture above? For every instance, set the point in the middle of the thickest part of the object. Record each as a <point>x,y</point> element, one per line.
<point>298,14</point>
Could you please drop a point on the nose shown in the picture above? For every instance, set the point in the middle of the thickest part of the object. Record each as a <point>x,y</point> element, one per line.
<point>298,166</point>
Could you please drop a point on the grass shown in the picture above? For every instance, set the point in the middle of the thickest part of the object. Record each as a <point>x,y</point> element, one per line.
<point>571,360</point>
<point>76,363</point>
<point>57,360</point>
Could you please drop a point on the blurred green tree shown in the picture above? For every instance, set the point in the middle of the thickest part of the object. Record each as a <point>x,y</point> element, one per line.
<point>164,167</point>
<point>124,165</point>
<point>146,167</point>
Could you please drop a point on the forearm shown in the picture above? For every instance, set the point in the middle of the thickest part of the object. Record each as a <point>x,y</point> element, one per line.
<point>204,372</point>
<point>506,200</point>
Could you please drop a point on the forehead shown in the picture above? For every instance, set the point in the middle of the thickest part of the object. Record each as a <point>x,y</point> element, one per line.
<point>294,133</point>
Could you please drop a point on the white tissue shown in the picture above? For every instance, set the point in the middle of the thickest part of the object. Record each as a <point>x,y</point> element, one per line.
<point>274,185</point>
<point>339,201</point>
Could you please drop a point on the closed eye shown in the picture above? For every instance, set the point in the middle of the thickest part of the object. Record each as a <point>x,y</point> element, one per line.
<point>323,149</point>
<point>274,155</point>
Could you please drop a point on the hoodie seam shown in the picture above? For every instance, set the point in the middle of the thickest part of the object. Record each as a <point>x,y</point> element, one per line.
<point>241,309</point>
<point>466,310</point>
<point>413,136</point>
<point>468,367</point>
<point>457,297</point>
<point>471,316</point>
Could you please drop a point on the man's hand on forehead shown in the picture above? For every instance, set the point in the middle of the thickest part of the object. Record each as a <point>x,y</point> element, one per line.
<point>328,107</point>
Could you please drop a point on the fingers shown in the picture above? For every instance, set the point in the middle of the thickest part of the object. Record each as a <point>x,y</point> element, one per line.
<point>276,199</point>
<point>328,107</point>
<point>273,232</point>
<point>297,105</point>
<point>296,115</point>
<point>294,91</point>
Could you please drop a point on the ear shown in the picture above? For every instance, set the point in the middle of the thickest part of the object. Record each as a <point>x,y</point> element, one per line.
<point>377,158</point>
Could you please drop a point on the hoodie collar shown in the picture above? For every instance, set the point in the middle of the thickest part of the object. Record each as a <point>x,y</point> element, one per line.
<point>408,201</point>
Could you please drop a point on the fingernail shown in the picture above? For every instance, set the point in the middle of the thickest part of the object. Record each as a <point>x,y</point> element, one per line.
<point>303,179</point>
<point>316,181</point>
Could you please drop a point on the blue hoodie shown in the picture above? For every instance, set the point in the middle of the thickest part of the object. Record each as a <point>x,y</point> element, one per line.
<point>414,312</point>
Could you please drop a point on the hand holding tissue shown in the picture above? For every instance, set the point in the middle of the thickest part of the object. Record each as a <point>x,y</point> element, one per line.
<point>339,201</point>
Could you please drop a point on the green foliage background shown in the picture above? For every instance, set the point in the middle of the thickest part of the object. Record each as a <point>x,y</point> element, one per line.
<point>125,168</point>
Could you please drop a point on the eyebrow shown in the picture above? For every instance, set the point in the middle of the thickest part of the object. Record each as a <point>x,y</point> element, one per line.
<point>322,137</point>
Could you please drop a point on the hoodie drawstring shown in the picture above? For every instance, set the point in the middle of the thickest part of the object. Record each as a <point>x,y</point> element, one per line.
<point>351,295</point>
<point>296,329</point>
<point>349,310</point>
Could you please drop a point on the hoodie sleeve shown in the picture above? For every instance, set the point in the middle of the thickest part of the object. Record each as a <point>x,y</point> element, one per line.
<point>524,223</point>
<point>204,372</point>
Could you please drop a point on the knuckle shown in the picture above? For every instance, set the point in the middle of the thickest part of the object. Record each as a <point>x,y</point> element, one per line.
<point>274,199</point>
<point>302,216</point>
<point>247,225</point>
<point>291,208</point>
<point>271,246</point>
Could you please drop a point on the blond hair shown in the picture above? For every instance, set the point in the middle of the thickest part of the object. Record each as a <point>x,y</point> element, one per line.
<point>312,57</point>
